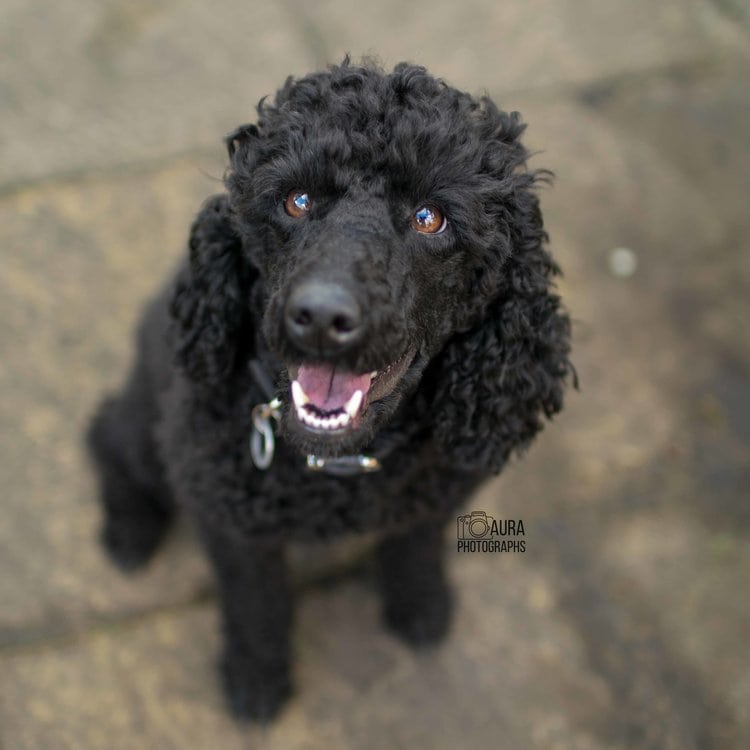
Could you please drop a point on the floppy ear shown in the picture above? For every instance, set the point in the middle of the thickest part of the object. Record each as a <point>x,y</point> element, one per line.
<point>498,380</point>
<point>211,301</point>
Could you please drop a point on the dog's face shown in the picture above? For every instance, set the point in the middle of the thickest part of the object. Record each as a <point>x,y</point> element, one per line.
<point>366,201</point>
<point>378,210</point>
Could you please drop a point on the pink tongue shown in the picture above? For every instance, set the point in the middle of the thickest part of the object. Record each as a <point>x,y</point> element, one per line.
<point>329,390</point>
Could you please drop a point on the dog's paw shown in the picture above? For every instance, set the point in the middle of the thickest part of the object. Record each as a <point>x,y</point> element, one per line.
<point>253,696</point>
<point>131,542</point>
<point>421,623</point>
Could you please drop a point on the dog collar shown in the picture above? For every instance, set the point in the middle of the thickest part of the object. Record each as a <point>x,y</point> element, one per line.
<point>263,440</point>
<point>263,447</point>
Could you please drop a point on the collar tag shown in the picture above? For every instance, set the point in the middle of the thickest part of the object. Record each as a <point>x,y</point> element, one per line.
<point>262,441</point>
<point>263,447</point>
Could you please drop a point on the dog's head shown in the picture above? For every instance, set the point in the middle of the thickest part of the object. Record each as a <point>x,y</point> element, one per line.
<point>393,228</point>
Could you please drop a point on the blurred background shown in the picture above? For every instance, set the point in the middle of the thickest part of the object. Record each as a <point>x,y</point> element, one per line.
<point>626,622</point>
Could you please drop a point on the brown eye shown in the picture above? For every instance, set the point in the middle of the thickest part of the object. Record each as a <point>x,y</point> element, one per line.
<point>297,204</point>
<point>428,220</point>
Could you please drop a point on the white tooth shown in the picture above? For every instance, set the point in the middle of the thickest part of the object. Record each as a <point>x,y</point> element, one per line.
<point>373,374</point>
<point>299,396</point>
<point>301,414</point>
<point>351,407</point>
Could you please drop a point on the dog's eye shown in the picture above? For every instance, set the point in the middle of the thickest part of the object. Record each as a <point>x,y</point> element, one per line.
<point>428,220</point>
<point>297,204</point>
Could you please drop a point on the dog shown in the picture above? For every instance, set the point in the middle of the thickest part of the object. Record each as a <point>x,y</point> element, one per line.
<point>365,329</point>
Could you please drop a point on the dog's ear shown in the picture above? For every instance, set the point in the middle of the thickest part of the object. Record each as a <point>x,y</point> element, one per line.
<point>211,301</point>
<point>496,381</point>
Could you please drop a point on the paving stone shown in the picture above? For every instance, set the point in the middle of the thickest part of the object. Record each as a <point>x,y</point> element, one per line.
<point>680,535</point>
<point>652,457</point>
<point>142,80</point>
<point>701,572</point>
<point>698,124</point>
<point>673,329</point>
<point>153,684</point>
<point>504,47</point>
<point>78,262</point>
<point>93,84</point>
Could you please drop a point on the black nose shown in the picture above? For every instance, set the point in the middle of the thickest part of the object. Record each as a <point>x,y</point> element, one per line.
<point>323,317</point>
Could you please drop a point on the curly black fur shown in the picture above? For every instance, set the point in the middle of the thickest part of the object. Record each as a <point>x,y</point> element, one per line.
<point>474,304</point>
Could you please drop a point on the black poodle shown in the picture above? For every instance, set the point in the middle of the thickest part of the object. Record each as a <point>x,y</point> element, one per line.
<point>363,331</point>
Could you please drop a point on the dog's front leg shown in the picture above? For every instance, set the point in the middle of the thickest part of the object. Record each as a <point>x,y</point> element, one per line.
<point>256,609</point>
<point>417,597</point>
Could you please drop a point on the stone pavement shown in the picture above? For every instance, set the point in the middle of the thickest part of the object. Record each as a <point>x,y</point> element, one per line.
<point>626,624</point>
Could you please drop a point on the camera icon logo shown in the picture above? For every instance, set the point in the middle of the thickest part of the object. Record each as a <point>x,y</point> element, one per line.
<point>474,525</point>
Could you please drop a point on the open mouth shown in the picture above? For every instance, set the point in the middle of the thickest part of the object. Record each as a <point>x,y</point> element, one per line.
<point>330,400</point>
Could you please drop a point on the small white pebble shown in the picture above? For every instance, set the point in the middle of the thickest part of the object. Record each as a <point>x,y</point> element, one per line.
<point>622,262</point>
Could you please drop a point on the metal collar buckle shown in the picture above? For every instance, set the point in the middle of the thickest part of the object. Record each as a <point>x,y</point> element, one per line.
<point>343,466</point>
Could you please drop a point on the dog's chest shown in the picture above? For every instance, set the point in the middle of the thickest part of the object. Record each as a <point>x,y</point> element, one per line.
<point>288,498</point>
